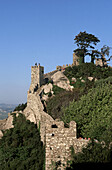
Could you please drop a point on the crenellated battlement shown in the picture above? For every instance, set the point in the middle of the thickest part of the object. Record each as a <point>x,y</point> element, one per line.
<point>37,77</point>
<point>59,140</point>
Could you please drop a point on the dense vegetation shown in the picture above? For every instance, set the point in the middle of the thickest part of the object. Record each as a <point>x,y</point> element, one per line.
<point>20,107</point>
<point>95,155</point>
<point>20,147</point>
<point>62,98</point>
<point>93,112</point>
<point>90,105</point>
<point>88,70</point>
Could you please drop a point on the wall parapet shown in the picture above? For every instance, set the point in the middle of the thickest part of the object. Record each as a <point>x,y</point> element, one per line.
<point>59,139</point>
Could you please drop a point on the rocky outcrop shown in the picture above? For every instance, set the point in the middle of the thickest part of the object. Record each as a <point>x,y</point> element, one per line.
<point>6,124</point>
<point>2,123</point>
<point>61,80</point>
<point>35,112</point>
<point>9,122</point>
<point>47,88</point>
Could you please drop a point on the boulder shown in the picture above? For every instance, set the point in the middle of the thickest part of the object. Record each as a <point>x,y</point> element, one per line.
<point>47,88</point>
<point>74,79</point>
<point>61,80</point>
<point>90,78</point>
<point>83,81</point>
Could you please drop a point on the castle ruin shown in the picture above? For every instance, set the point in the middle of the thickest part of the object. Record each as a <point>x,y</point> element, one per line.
<point>57,138</point>
<point>102,62</point>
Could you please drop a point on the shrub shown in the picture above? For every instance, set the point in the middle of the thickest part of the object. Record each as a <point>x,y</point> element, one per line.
<point>95,154</point>
<point>57,89</point>
<point>60,100</point>
<point>88,70</point>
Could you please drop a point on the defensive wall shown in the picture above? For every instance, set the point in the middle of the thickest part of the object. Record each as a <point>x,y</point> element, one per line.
<point>57,138</point>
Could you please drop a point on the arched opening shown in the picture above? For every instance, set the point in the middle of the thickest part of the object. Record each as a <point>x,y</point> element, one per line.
<point>87,59</point>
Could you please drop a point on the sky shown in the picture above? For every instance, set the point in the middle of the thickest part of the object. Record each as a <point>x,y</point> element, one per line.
<point>43,31</point>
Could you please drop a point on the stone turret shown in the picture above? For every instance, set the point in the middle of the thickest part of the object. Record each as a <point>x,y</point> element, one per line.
<point>37,77</point>
<point>75,59</point>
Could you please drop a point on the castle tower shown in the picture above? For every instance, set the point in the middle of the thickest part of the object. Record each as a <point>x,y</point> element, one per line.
<point>37,80</point>
<point>75,60</point>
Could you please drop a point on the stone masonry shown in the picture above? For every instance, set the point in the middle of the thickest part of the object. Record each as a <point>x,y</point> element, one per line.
<point>59,140</point>
<point>75,59</point>
<point>54,135</point>
<point>56,138</point>
<point>37,73</point>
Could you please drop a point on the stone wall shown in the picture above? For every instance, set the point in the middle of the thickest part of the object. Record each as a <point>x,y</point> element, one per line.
<point>101,62</point>
<point>54,135</point>
<point>75,59</point>
<point>58,142</point>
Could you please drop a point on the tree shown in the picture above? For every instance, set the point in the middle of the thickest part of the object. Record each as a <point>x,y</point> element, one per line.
<point>85,43</point>
<point>21,147</point>
<point>94,54</point>
<point>105,51</point>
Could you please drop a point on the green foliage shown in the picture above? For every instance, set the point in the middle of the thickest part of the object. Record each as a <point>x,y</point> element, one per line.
<point>93,153</point>
<point>20,107</point>
<point>55,165</point>
<point>88,70</point>
<point>101,82</point>
<point>85,43</point>
<point>57,89</point>
<point>20,147</point>
<point>92,112</point>
<point>60,100</point>
<point>78,83</point>
<point>49,94</point>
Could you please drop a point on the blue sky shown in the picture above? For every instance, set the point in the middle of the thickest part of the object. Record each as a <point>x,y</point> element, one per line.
<point>43,31</point>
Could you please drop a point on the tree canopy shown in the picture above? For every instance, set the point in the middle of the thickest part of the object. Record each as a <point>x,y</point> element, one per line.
<point>85,43</point>
<point>21,147</point>
<point>92,112</point>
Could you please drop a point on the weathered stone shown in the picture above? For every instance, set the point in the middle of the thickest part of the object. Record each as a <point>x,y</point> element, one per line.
<point>9,122</point>
<point>61,80</point>
<point>90,78</point>
<point>47,88</point>
<point>83,81</point>
<point>74,79</point>
<point>1,134</point>
<point>75,59</point>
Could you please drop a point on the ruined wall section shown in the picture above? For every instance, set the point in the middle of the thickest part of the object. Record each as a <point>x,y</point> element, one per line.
<point>75,60</point>
<point>101,62</point>
<point>58,142</point>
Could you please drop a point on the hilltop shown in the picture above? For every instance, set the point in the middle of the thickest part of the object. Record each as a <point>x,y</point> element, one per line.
<point>70,108</point>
